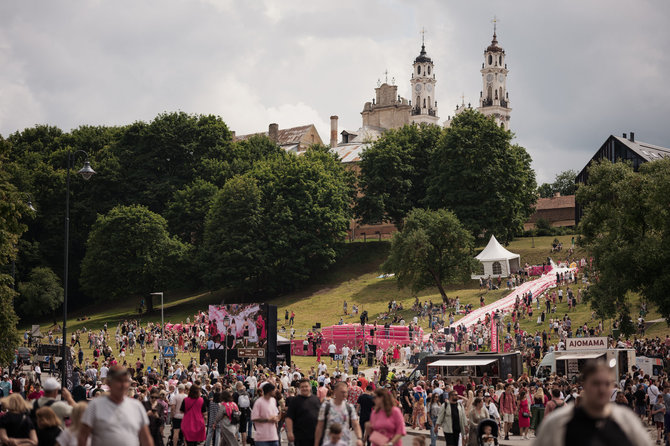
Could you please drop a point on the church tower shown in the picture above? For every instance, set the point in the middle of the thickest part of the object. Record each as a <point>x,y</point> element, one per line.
<point>424,105</point>
<point>494,98</point>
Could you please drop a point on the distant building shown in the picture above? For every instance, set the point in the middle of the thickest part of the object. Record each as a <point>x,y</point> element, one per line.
<point>558,210</point>
<point>622,148</point>
<point>295,139</point>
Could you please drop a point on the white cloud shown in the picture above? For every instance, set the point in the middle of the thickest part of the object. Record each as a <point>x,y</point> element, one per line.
<point>578,71</point>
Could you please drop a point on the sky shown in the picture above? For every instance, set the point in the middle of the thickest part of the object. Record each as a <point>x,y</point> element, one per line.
<point>578,71</point>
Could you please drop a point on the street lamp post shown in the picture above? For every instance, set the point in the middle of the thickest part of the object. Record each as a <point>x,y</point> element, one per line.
<point>162,327</point>
<point>86,172</point>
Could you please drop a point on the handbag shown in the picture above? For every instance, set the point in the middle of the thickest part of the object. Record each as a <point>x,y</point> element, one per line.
<point>378,439</point>
<point>525,415</point>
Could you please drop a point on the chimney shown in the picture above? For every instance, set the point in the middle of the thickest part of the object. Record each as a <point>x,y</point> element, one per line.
<point>557,194</point>
<point>233,133</point>
<point>273,132</point>
<point>333,131</point>
<point>625,136</point>
<point>632,137</point>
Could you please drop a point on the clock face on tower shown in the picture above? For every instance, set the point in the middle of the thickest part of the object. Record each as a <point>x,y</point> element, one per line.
<point>418,87</point>
<point>489,77</point>
<point>501,78</point>
<point>429,88</point>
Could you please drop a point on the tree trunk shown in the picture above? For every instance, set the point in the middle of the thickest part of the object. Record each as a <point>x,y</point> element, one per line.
<point>438,283</point>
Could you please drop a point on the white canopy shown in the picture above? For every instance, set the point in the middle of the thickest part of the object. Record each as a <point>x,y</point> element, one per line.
<point>497,261</point>
<point>582,356</point>
<point>495,251</point>
<point>461,362</point>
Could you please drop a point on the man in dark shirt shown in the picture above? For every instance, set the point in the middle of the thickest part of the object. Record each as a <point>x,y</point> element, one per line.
<point>365,404</point>
<point>301,416</point>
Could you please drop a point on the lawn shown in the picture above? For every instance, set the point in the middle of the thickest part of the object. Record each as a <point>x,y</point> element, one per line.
<point>354,278</point>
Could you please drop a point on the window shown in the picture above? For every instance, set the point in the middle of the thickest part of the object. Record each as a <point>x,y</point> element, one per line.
<point>500,60</point>
<point>418,69</point>
<point>424,102</point>
<point>428,101</point>
<point>489,95</point>
<point>428,69</point>
<point>496,95</point>
<point>497,268</point>
<point>490,59</point>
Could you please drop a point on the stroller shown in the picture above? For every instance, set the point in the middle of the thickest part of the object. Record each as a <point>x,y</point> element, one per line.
<point>490,438</point>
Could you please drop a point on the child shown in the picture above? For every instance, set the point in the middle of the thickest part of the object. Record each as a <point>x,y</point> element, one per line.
<point>418,440</point>
<point>335,436</point>
<point>487,438</point>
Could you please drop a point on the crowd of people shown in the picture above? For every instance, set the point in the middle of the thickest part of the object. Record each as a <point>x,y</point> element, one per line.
<point>124,394</point>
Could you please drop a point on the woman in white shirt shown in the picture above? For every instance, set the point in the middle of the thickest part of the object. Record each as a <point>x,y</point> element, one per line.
<point>68,437</point>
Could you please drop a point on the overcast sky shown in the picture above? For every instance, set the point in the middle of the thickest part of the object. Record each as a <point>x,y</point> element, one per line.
<point>579,70</point>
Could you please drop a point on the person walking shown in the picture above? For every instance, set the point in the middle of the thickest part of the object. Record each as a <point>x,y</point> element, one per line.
<point>338,410</point>
<point>48,426</point>
<point>596,420</point>
<point>16,427</point>
<point>302,415</point>
<point>524,414</point>
<point>177,414</point>
<point>115,419</point>
<point>452,420</point>
<point>365,404</point>
<point>508,407</point>
<point>386,425</point>
<point>193,423</point>
<point>225,420</point>
<point>433,411</point>
<point>477,414</point>
<point>265,416</point>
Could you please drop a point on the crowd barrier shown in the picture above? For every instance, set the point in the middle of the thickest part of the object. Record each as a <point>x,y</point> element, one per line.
<point>355,335</point>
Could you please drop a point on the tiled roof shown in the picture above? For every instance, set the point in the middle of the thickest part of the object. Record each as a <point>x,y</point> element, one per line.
<point>647,151</point>
<point>284,136</point>
<point>565,201</point>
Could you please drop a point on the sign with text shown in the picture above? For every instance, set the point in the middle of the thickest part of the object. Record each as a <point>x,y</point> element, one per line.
<point>251,352</point>
<point>338,357</point>
<point>494,335</point>
<point>586,343</point>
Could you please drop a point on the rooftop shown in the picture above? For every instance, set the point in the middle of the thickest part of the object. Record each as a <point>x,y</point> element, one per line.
<point>560,202</point>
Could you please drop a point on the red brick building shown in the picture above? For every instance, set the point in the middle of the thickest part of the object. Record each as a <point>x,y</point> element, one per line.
<point>558,210</point>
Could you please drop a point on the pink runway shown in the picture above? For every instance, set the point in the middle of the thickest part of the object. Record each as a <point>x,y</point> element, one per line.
<point>537,287</point>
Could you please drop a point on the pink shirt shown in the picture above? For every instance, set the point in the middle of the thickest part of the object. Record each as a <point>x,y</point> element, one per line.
<point>264,409</point>
<point>388,426</point>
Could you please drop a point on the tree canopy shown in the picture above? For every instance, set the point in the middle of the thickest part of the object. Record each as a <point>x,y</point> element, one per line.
<point>484,179</point>
<point>564,183</point>
<point>129,253</point>
<point>433,249</point>
<point>272,228</point>
<point>393,173</point>
<point>625,227</point>
<point>42,294</point>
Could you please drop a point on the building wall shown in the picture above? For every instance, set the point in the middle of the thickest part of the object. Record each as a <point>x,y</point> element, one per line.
<point>388,117</point>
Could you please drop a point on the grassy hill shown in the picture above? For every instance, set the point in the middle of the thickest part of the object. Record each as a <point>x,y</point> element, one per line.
<point>353,278</point>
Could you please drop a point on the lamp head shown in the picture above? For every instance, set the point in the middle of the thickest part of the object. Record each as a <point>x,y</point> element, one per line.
<point>87,171</point>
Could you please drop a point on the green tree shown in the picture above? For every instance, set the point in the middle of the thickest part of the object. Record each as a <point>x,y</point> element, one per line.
<point>42,294</point>
<point>393,173</point>
<point>12,209</point>
<point>235,251</point>
<point>433,249</point>
<point>188,208</point>
<point>484,179</point>
<point>625,228</point>
<point>130,253</point>
<point>272,228</point>
<point>564,183</point>
<point>545,190</point>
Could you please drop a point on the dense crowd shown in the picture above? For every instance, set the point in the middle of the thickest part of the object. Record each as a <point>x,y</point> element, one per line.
<point>123,394</point>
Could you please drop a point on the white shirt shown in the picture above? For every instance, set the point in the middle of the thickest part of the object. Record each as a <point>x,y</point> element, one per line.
<point>113,424</point>
<point>332,348</point>
<point>103,372</point>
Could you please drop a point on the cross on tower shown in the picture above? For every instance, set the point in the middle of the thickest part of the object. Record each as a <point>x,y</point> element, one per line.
<point>423,36</point>
<point>495,22</point>
<point>386,76</point>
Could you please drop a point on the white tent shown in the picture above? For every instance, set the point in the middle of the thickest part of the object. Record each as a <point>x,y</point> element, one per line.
<point>497,261</point>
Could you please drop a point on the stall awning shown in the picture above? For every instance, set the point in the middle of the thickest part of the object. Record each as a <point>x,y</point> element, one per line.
<point>581,356</point>
<point>465,362</point>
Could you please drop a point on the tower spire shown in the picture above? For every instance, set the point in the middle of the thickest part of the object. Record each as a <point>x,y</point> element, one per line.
<point>495,25</point>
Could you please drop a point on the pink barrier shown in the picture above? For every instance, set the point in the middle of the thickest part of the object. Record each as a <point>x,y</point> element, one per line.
<point>354,336</point>
<point>537,287</point>
<point>538,270</point>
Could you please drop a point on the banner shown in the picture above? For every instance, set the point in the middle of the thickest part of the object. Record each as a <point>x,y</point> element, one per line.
<point>599,343</point>
<point>494,335</point>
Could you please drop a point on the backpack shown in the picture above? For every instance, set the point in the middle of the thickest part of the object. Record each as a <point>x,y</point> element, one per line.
<point>235,414</point>
<point>33,415</point>
<point>243,401</point>
<point>325,418</point>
